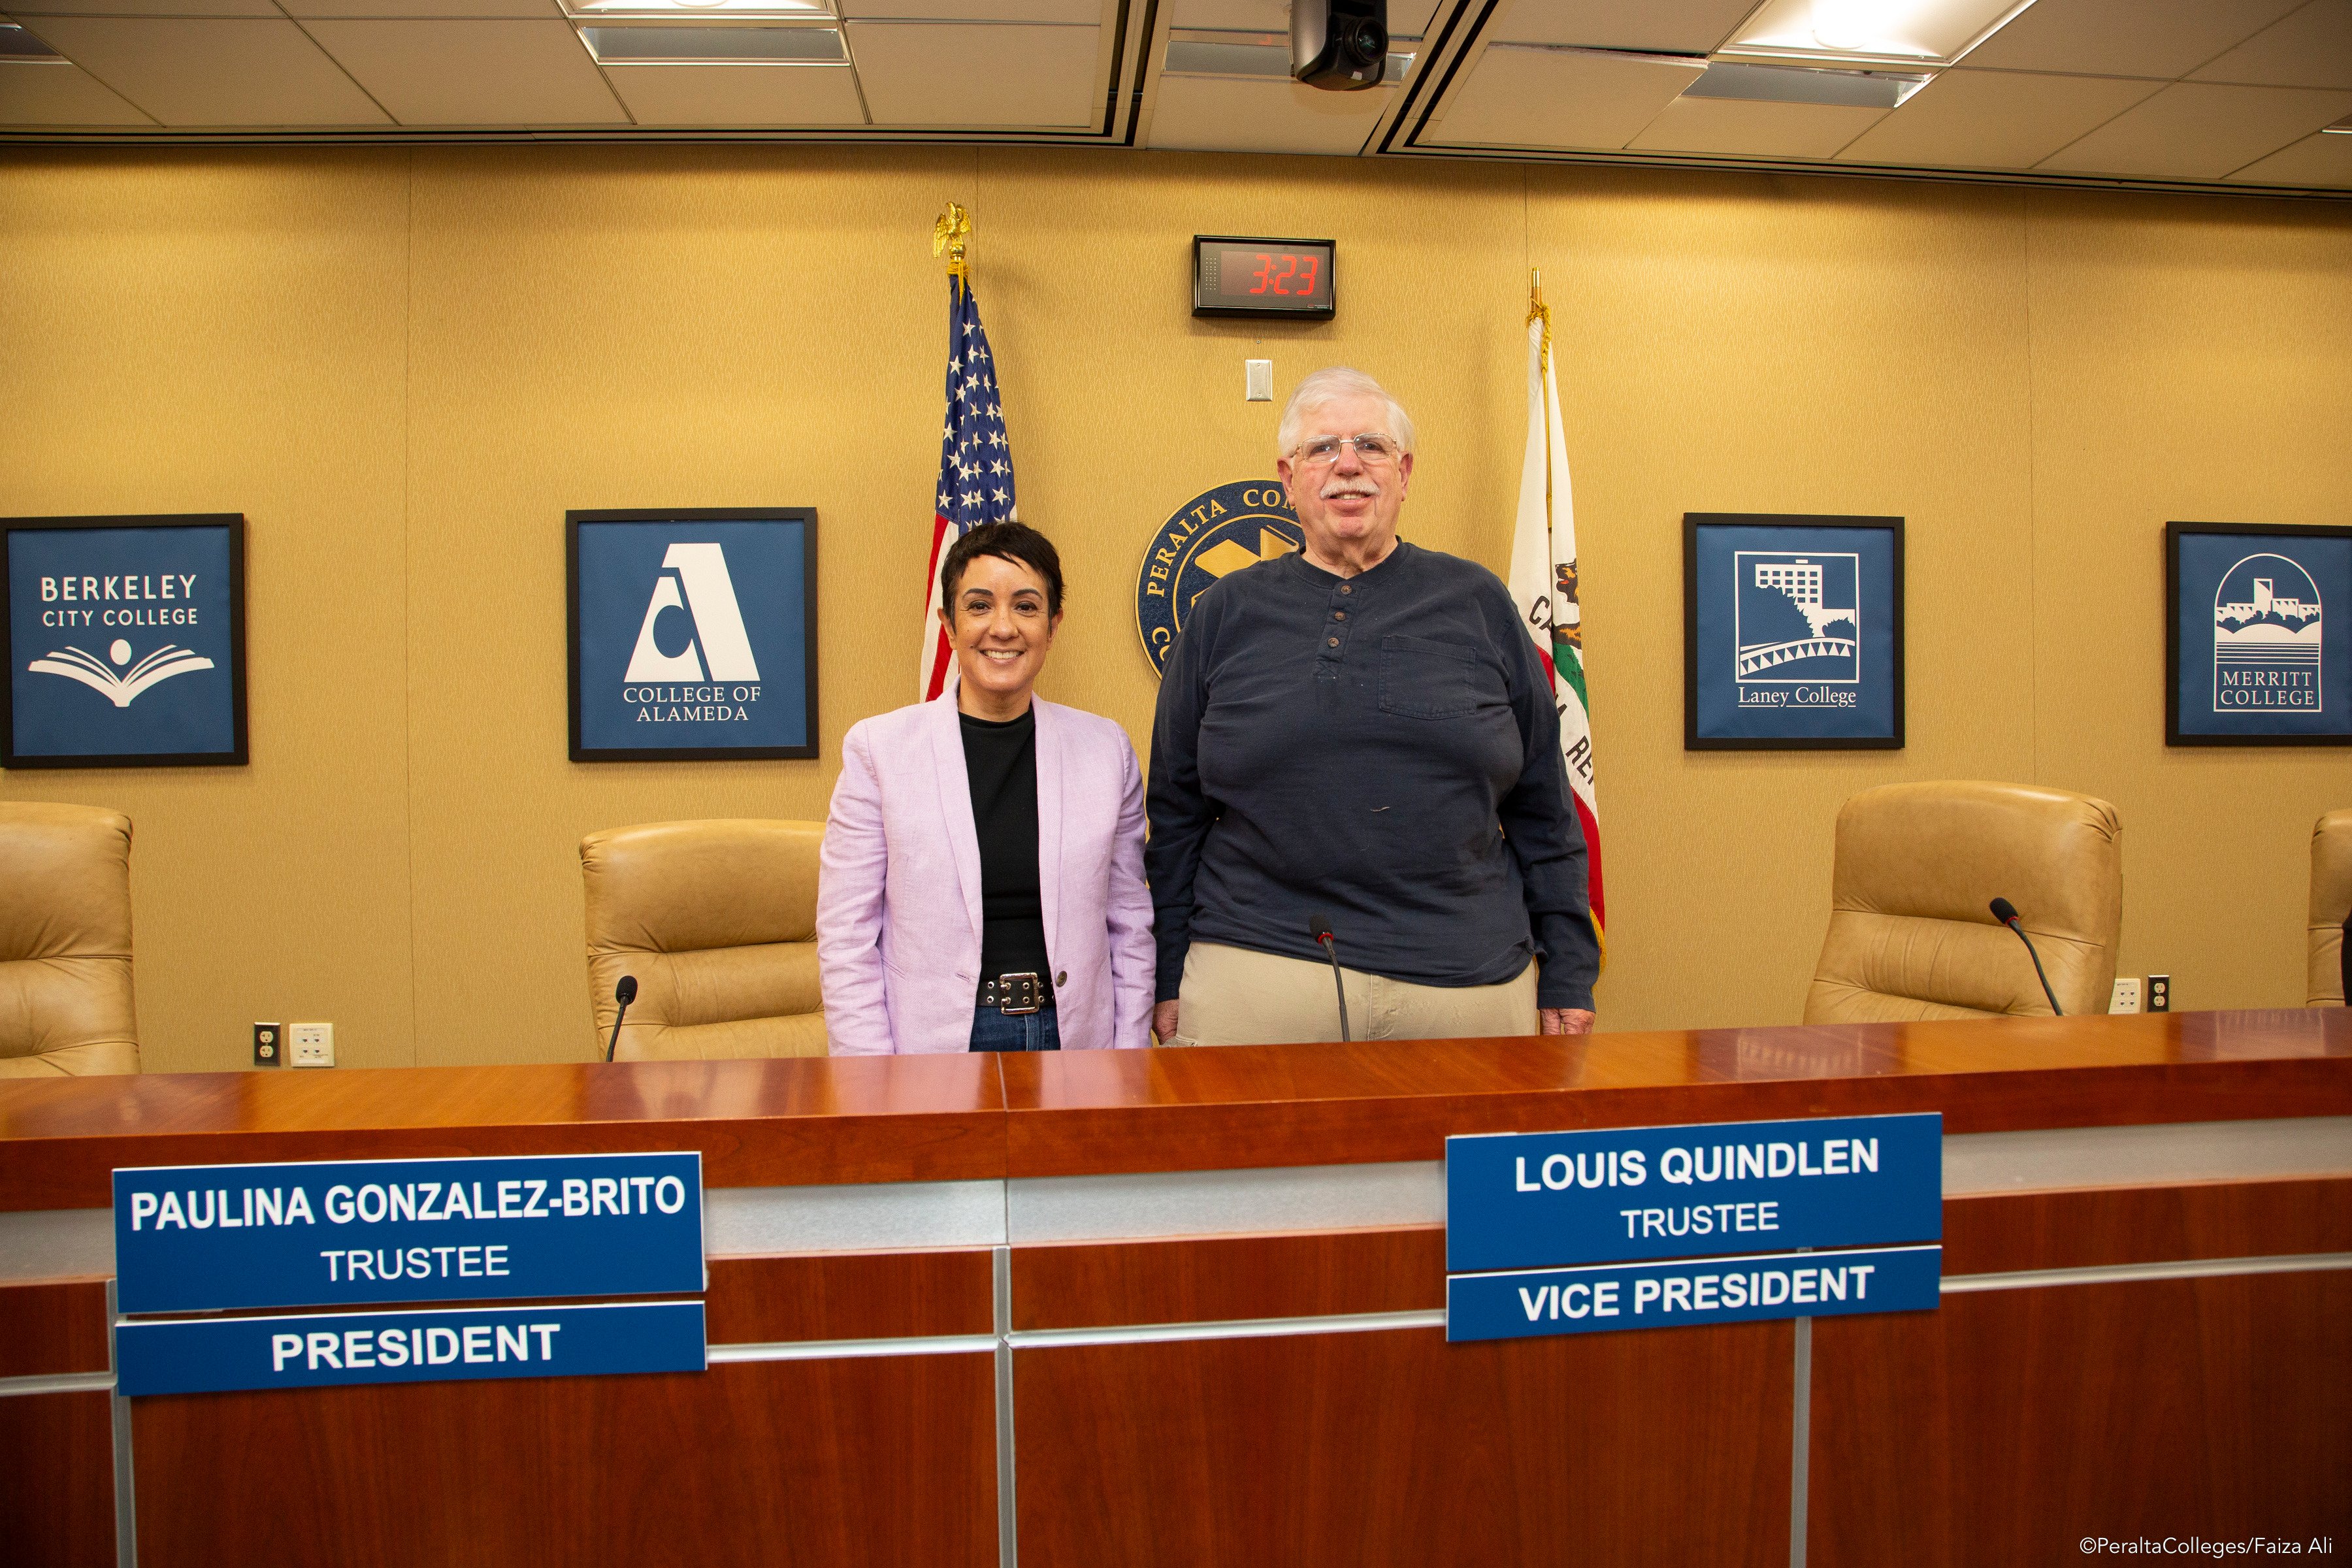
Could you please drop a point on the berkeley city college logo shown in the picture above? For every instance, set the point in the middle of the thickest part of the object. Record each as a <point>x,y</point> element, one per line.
<point>694,603</point>
<point>1216,534</point>
<point>2266,638</point>
<point>1798,636</point>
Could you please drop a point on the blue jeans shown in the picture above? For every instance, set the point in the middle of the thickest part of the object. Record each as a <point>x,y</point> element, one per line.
<point>993,1029</point>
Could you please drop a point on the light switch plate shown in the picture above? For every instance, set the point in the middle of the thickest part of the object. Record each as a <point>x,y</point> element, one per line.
<point>1258,380</point>
<point>310,1044</point>
<point>2127,996</point>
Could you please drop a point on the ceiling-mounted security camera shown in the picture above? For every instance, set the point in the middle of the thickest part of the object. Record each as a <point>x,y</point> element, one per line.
<point>1340,46</point>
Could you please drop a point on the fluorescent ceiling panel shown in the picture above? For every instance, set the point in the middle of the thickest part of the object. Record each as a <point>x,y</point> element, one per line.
<point>59,95</point>
<point>2192,130</point>
<point>692,10</point>
<point>1893,32</point>
<point>1559,97</point>
<point>1073,12</point>
<point>2323,161</point>
<point>423,10</point>
<point>474,73</point>
<point>1800,84</point>
<point>1662,26</point>
<point>637,44</point>
<point>1001,77</point>
<point>1210,114</point>
<point>2125,37</point>
<point>2310,47</point>
<point>1994,119</point>
<point>739,95</point>
<point>213,71</point>
<point>1738,130</point>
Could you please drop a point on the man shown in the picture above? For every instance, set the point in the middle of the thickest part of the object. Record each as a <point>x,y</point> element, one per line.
<point>1360,737</point>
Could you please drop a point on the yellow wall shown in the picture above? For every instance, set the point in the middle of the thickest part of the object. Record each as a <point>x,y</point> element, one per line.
<point>404,366</point>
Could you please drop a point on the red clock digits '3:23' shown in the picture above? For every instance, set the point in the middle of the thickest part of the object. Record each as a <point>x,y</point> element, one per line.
<point>1274,271</point>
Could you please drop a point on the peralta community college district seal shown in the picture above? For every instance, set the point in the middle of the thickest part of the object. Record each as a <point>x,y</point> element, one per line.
<point>1213,535</point>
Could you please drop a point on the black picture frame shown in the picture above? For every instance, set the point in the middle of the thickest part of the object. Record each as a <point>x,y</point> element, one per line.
<point>2175,535</point>
<point>238,754</point>
<point>1693,739</point>
<point>806,517</point>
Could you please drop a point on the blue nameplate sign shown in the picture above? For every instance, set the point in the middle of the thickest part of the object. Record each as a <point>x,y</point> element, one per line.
<point>1540,1199</point>
<point>193,1238</point>
<point>210,1355</point>
<point>1681,1294</point>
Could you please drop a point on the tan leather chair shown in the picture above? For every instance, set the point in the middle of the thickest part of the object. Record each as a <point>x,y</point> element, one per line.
<point>1910,936</point>
<point>717,921</point>
<point>2331,898</point>
<point>65,942</point>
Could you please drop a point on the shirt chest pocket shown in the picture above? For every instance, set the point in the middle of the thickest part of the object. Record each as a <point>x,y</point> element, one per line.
<point>1425,679</point>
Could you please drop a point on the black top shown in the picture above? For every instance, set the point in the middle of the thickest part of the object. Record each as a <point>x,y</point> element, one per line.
<point>1000,763</point>
<point>1383,750</point>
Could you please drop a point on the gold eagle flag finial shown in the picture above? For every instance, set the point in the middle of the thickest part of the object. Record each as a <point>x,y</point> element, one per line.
<point>1538,310</point>
<point>949,236</point>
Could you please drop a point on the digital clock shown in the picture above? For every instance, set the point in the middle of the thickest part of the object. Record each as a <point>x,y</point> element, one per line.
<point>1238,277</point>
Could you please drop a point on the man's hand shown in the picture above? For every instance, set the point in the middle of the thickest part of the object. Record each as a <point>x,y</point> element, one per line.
<point>1163,1021</point>
<point>1564,1020</point>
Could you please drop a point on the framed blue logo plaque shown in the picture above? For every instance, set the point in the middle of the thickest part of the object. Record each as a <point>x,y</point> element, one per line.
<point>693,634</point>
<point>1213,535</point>
<point>125,638</point>
<point>1792,632</point>
<point>2257,635</point>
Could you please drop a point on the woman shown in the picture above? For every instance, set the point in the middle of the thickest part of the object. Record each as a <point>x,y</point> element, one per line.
<point>983,885</point>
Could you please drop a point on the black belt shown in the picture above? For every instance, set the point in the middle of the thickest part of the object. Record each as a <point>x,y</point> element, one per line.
<point>1015,994</point>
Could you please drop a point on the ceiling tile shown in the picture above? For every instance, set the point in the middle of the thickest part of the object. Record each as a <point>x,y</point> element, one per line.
<point>2193,131</point>
<point>1082,12</point>
<point>1671,26</point>
<point>1738,128</point>
<point>474,73</point>
<point>1558,98</point>
<point>2314,161</point>
<point>48,93</point>
<point>2125,37</point>
<point>916,73</point>
<point>213,71</point>
<point>1410,18</point>
<point>2312,48</point>
<point>1995,120</point>
<point>1231,114</point>
<point>423,10</point>
<point>739,95</point>
<point>144,9</point>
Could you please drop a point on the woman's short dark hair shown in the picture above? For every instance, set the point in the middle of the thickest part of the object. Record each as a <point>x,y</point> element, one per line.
<point>1014,541</point>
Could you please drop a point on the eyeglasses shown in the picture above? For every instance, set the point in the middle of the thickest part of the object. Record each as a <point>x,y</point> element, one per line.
<point>1372,451</point>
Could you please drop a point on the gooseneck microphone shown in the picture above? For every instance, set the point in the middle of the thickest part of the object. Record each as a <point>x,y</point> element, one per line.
<point>625,994</point>
<point>2006,913</point>
<point>1319,926</point>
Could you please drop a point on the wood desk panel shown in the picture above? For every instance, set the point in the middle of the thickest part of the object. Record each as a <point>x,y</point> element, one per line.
<point>52,1327</point>
<point>1367,1449</point>
<point>849,1295</point>
<point>57,1480</point>
<point>886,1460</point>
<point>2012,1422</point>
<point>1205,1279</point>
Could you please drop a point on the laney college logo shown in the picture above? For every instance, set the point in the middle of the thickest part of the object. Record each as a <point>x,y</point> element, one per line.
<point>706,671</point>
<point>2266,638</point>
<point>1798,636</point>
<point>1216,534</point>
<point>134,600</point>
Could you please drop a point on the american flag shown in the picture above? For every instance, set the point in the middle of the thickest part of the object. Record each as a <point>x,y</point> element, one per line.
<point>975,462</point>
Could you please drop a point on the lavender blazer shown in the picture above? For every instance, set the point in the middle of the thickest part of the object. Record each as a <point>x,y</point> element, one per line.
<point>897,901</point>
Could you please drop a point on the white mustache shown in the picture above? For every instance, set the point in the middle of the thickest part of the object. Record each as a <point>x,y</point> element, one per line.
<point>1335,492</point>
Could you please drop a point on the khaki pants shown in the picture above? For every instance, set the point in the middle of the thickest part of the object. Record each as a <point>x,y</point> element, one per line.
<point>1232,996</point>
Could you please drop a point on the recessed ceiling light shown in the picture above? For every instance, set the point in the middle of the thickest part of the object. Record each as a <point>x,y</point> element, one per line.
<point>1877,32</point>
<point>15,44</point>
<point>1785,84</point>
<point>715,45</point>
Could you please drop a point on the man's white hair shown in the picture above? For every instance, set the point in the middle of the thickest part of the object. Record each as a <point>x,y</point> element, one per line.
<point>1332,384</point>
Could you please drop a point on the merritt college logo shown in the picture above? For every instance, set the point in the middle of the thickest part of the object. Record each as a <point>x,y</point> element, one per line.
<point>2266,638</point>
<point>1216,534</point>
<point>1797,618</point>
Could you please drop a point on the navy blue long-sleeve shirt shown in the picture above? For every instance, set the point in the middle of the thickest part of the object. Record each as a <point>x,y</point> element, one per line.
<point>1382,749</point>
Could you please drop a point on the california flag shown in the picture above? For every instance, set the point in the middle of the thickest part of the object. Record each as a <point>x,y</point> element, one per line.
<point>1543,581</point>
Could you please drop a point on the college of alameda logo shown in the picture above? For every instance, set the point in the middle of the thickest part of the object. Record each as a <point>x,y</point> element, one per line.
<point>706,622</point>
<point>2266,638</point>
<point>1216,534</point>
<point>120,688</point>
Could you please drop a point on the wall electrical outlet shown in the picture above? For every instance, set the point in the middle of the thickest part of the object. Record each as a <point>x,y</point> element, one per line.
<point>2159,993</point>
<point>310,1044</point>
<point>270,1045</point>
<point>1257,381</point>
<point>2126,998</point>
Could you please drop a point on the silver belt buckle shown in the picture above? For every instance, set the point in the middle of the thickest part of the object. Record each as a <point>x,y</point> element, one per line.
<point>1025,987</point>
